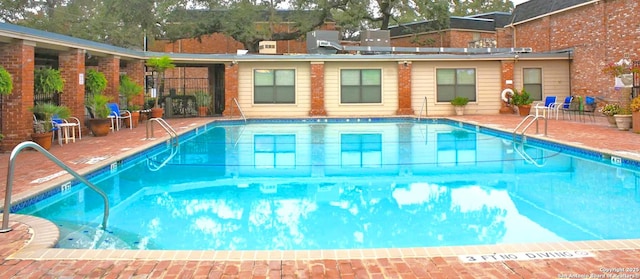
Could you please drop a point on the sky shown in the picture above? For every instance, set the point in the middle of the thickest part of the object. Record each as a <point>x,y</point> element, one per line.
<point>516,2</point>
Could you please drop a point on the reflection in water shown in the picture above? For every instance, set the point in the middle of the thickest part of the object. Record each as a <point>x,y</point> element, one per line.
<point>365,185</point>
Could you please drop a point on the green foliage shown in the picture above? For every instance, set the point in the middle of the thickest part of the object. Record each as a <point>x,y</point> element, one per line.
<point>460,101</point>
<point>610,109</point>
<point>474,7</point>
<point>160,64</point>
<point>95,82</point>
<point>203,99</point>
<point>97,103</point>
<point>48,81</point>
<point>129,89</point>
<point>6,83</point>
<point>521,98</point>
<point>45,112</point>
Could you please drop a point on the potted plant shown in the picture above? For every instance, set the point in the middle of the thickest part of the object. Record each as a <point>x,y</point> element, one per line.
<point>622,71</point>
<point>203,100</point>
<point>635,114</point>
<point>523,101</point>
<point>94,82</point>
<point>160,65</point>
<point>48,81</point>
<point>99,124</point>
<point>623,118</point>
<point>6,86</point>
<point>459,103</point>
<point>609,110</point>
<point>130,89</point>
<point>6,83</point>
<point>43,124</point>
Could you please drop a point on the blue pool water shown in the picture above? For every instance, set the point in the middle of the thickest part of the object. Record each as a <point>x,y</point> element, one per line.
<point>358,184</point>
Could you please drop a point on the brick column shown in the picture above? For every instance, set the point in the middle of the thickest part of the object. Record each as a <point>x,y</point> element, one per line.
<point>231,90</point>
<point>71,65</point>
<point>135,70</point>
<point>17,121</point>
<point>110,67</point>
<point>506,75</point>
<point>404,89</point>
<point>317,90</point>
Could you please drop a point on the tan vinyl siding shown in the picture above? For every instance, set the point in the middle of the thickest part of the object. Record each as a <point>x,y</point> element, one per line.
<point>555,77</point>
<point>389,103</point>
<point>487,88</point>
<point>302,104</point>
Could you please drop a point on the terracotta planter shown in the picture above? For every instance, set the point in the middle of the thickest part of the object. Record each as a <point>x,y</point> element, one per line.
<point>202,111</point>
<point>635,121</point>
<point>99,127</point>
<point>623,121</point>
<point>135,118</point>
<point>157,112</point>
<point>43,139</point>
<point>524,110</point>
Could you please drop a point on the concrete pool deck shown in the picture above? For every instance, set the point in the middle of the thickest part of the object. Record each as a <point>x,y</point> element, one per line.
<point>25,254</point>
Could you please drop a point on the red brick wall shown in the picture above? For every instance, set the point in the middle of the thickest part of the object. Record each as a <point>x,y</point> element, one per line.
<point>404,89</point>
<point>17,121</point>
<point>219,43</point>
<point>317,90</point>
<point>230,90</point>
<point>439,39</point>
<point>599,34</point>
<point>505,75</point>
<point>110,67</point>
<point>71,64</point>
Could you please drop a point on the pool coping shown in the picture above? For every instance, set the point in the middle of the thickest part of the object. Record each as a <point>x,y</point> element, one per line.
<point>45,234</point>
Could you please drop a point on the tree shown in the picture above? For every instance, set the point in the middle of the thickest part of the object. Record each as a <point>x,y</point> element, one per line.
<point>472,7</point>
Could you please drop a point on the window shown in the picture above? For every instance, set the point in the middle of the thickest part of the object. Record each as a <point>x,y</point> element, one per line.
<point>532,82</point>
<point>457,148</point>
<point>361,150</point>
<point>274,86</point>
<point>274,151</point>
<point>360,86</point>
<point>456,83</point>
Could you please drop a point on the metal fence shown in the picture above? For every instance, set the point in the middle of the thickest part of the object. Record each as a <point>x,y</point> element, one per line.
<point>179,96</point>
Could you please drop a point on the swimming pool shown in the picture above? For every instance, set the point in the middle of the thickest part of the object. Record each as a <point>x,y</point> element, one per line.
<point>348,185</point>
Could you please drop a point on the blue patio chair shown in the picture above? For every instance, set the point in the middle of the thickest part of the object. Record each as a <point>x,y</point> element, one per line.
<point>118,115</point>
<point>567,107</point>
<point>548,108</point>
<point>590,105</point>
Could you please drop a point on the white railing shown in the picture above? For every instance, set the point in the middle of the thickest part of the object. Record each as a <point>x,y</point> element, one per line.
<point>240,109</point>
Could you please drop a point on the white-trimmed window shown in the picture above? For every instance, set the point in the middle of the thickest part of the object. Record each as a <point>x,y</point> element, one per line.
<point>360,86</point>
<point>274,86</point>
<point>361,150</point>
<point>456,83</point>
<point>274,151</point>
<point>532,82</point>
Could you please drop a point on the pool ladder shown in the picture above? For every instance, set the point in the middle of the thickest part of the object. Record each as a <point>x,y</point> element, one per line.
<point>529,120</point>
<point>172,133</point>
<point>240,109</point>
<point>7,198</point>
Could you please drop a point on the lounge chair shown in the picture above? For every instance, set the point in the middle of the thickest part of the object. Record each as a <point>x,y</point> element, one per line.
<point>117,115</point>
<point>567,106</point>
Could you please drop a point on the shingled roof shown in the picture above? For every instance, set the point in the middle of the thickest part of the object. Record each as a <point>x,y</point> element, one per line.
<point>535,8</point>
<point>480,22</point>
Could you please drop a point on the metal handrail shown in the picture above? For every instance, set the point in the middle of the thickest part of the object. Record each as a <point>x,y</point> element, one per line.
<point>172,133</point>
<point>154,167</point>
<point>536,119</point>
<point>240,109</point>
<point>424,105</point>
<point>526,156</point>
<point>9,188</point>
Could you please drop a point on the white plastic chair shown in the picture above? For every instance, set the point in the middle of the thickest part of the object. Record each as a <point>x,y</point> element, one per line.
<point>118,115</point>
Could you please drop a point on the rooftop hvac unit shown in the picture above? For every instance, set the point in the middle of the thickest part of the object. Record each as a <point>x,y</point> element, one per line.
<point>323,42</point>
<point>375,38</point>
<point>267,47</point>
